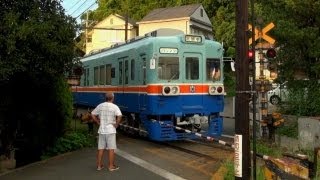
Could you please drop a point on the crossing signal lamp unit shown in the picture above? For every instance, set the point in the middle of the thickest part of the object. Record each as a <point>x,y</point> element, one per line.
<point>271,53</point>
<point>250,55</point>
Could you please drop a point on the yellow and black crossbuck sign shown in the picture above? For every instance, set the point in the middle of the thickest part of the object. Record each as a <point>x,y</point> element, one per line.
<point>262,33</point>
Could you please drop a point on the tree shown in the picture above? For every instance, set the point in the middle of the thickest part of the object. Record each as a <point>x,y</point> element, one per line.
<point>298,40</point>
<point>36,49</point>
<point>297,34</point>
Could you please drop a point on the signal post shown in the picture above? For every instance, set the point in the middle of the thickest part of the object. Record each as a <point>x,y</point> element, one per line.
<point>260,35</point>
<point>242,158</point>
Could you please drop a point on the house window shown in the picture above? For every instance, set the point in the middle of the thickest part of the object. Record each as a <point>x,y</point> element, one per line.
<point>89,38</point>
<point>201,12</point>
<point>111,21</point>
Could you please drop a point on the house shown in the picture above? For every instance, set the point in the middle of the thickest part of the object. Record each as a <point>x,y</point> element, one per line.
<point>109,31</point>
<point>190,19</point>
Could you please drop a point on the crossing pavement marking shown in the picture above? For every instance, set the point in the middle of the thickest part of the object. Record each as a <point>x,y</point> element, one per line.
<point>153,168</point>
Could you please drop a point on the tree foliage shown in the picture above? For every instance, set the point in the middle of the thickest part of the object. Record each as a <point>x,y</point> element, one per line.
<point>298,42</point>
<point>297,35</point>
<point>36,49</point>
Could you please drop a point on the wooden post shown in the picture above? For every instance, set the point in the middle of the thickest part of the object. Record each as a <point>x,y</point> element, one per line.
<point>242,142</point>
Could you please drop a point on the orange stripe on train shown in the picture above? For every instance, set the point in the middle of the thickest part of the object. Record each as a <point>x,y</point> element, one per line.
<point>150,89</point>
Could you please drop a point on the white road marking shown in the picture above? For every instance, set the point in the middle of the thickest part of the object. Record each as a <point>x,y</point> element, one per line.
<point>153,168</point>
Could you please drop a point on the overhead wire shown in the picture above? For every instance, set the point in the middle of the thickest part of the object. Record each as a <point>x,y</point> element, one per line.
<point>73,5</point>
<point>86,9</point>
<point>78,8</point>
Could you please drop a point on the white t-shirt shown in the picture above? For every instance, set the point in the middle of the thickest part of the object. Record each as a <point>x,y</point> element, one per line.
<point>107,113</point>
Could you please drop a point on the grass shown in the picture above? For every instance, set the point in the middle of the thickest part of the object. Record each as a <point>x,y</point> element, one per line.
<point>272,150</point>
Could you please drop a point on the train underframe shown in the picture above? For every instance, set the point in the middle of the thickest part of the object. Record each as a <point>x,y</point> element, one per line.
<point>170,127</point>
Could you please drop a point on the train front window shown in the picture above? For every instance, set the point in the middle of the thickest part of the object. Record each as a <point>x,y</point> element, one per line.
<point>213,69</point>
<point>192,68</point>
<point>168,68</point>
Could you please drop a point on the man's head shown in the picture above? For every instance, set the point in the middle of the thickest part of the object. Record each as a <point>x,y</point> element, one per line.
<point>109,96</point>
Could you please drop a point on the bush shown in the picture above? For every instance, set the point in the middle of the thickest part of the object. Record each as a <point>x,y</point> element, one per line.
<point>303,98</point>
<point>230,84</point>
<point>70,142</point>
<point>289,129</point>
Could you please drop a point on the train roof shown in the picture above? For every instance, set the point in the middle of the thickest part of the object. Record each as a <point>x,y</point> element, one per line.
<point>163,34</point>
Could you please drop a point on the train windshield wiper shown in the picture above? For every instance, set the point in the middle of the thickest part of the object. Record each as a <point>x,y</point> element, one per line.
<point>173,76</point>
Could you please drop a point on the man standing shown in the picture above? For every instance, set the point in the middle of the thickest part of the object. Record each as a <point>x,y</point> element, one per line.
<point>108,116</point>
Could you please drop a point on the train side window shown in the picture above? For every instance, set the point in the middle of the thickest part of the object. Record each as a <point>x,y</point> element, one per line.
<point>120,72</point>
<point>213,69</point>
<point>126,72</point>
<point>113,72</point>
<point>168,68</point>
<point>96,76</point>
<point>102,78</point>
<point>144,67</point>
<point>87,77</point>
<point>192,68</point>
<point>132,69</point>
<point>108,74</point>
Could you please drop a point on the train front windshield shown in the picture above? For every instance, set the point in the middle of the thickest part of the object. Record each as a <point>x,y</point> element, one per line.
<point>168,68</point>
<point>213,69</point>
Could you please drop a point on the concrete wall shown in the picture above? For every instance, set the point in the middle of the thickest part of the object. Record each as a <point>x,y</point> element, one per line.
<point>309,132</point>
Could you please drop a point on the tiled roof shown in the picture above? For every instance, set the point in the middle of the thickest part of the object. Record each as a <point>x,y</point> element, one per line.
<point>171,12</point>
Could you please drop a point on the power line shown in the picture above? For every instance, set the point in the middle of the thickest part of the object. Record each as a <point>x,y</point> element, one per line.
<point>74,5</point>
<point>86,9</point>
<point>78,8</point>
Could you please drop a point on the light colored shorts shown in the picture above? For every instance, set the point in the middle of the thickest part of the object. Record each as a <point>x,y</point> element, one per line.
<point>107,141</point>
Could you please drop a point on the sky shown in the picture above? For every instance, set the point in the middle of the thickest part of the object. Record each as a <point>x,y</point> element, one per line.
<point>76,7</point>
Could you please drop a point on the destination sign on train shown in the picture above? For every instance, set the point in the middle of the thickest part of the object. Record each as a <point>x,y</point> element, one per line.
<point>168,50</point>
<point>193,39</point>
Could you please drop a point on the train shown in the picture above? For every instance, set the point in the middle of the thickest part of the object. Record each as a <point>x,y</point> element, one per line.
<point>160,82</point>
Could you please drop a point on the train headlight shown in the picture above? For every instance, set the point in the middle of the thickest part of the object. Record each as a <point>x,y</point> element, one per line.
<point>166,90</point>
<point>175,90</point>
<point>170,90</point>
<point>216,90</point>
<point>212,90</point>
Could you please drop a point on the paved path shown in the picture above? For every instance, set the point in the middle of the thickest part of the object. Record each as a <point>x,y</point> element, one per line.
<point>81,165</point>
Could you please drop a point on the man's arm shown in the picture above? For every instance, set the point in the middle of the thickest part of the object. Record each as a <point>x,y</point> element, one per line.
<point>118,120</point>
<point>95,119</point>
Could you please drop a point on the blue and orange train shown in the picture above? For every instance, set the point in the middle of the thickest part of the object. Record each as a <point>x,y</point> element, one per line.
<point>176,80</point>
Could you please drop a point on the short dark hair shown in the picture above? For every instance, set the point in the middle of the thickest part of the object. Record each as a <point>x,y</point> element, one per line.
<point>109,96</point>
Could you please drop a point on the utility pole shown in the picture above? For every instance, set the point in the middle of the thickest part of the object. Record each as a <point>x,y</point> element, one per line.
<point>86,41</point>
<point>254,96</point>
<point>126,27</point>
<point>241,141</point>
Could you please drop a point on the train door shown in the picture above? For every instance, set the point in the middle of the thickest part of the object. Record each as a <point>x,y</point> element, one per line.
<point>193,67</point>
<point>123,80</point>
<point>143,82</point>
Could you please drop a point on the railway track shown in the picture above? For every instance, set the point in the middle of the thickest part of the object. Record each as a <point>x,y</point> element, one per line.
<point>188,158</point>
